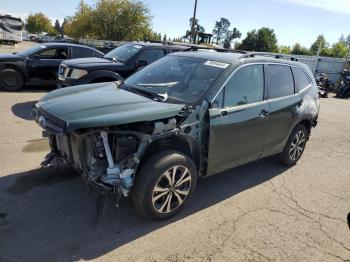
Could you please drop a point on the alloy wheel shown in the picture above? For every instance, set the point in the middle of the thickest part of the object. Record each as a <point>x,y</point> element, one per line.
<point>297,146</point>
<point>171,189</point>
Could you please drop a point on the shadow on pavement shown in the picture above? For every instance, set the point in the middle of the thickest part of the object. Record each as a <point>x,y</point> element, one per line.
<point>49,214</point>
<point>23,110</point>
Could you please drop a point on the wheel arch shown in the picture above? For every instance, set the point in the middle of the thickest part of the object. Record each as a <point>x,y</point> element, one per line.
<point>178,143</point>
<point>104,76</point>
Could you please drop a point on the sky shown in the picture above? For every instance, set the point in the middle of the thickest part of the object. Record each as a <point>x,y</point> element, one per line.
<point>293,20</point>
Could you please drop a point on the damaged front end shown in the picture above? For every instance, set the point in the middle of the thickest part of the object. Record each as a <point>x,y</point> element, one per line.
<point>107,158</point>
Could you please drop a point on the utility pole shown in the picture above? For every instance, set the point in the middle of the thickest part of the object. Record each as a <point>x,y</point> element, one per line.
<point>194,22</point>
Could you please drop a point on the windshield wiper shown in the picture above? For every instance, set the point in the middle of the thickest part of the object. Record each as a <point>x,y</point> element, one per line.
<point>159,97</point>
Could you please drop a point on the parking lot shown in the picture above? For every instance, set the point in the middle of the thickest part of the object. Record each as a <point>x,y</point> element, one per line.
<point>261,211</point>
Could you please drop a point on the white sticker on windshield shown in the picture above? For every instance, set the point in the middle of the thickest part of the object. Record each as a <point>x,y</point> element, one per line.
<point>216,64</point>
<point>43,46</point>
<point>138,46</point>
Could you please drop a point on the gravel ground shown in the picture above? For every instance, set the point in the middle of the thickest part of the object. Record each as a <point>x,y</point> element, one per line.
<point>16,48</point>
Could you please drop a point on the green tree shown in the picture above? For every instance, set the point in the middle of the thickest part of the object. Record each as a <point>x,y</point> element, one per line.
<point>320,41</point>
<point>284,49</point>
<point>263,40</point>
<point>299,50</point>
<point>221,29</point>
<point>80,25</point>
<point>38,23</point>
<point>121,20</point>
<point>165,38</point>
<point>58,27</point>
<point>232,35</point>
<point>339,49</point>
<point>65,26</point>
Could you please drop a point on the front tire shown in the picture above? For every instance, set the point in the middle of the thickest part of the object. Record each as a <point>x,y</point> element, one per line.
<point>11,80</point>
<point>164,185</point>
<point>295,146</point>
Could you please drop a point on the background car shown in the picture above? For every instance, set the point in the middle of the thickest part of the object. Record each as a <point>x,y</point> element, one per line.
<point>38,64</point>
<point>117,64</point>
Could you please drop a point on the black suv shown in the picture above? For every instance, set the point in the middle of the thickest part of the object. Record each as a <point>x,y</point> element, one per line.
<point>187,115</point>
<point>38,64</point>
<point>115,65</point>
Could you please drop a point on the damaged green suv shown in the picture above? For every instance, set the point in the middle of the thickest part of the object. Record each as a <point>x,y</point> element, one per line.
<point>188,115</point>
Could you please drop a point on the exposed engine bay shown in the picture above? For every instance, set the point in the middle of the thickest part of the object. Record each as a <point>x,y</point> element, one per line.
<point>107,158</point>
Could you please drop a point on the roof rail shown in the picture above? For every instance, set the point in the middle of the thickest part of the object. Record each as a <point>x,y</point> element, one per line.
<point>217,49</point>
<point>277,56</point>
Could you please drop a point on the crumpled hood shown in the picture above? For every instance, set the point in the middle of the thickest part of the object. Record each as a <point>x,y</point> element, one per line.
<point>10,57</point>
<point>91,62</point>
<point>102,105</point>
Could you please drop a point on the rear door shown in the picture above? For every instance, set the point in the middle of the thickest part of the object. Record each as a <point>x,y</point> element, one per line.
<point>238,128</point>
<point>284,100</point>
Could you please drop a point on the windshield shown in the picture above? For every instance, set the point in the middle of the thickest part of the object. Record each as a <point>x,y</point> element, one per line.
<point>32,50</point>
<point>177,78</point>
<point>124,52</point>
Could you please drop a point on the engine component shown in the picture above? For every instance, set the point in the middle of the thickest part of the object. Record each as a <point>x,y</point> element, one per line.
<point>160,127</point>
<point>113,170</point>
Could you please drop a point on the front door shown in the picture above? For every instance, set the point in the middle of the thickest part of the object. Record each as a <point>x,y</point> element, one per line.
<point>238,129</point>
<point>44,65</point>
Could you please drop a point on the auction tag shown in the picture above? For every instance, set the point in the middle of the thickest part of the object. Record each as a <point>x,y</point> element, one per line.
<point>216,64</point>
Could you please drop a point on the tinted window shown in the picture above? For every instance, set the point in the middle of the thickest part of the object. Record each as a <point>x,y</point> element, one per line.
<point>245,86</point>
<point>54,53</point>
<point>301,79</point>
<point>152,55</point>
<point>280,80</point>
<point>79,52</point>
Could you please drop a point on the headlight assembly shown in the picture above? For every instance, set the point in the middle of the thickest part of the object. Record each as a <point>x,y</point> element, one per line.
<point>78,73</point>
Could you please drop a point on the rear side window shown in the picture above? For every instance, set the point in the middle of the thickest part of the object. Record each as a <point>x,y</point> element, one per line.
<point>301,79</point>
<point>280,81</point>
<point>246,86</point>
<point>79,52</point>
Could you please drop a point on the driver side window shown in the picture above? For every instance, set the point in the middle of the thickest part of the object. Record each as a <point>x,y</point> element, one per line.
<point>54,53</point>
<point>245,86</point>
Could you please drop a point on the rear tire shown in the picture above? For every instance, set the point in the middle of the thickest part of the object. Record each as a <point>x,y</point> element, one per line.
<point>164,184</point>
<point>295,146</point>
<point>11,80</point>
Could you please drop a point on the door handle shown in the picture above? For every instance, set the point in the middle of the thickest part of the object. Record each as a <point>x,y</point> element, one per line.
<point>264,113</point>
<point>223,112</point>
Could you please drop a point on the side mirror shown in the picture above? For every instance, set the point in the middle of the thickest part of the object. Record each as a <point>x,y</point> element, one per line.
<point>141,63</point>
